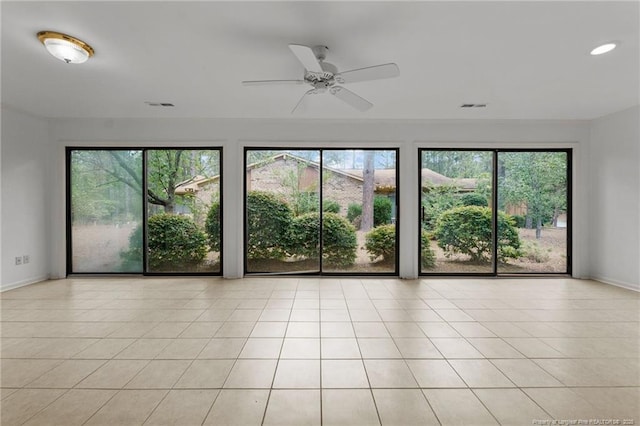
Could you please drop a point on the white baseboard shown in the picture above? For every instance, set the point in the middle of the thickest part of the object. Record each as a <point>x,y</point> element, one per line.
<point>617,283</point>
<point>22,283</point>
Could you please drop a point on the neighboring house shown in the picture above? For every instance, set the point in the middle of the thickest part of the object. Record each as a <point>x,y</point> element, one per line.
<point>205,189</point>
<point>284,173</point>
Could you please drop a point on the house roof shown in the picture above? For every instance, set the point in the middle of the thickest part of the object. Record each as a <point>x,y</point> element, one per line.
<point>387,178</point>
<point>194,184</point>
<point>383,178</point>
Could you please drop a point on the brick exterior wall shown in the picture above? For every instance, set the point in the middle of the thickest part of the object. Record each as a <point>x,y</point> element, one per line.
<point>277,177</point>
<point>270,177</point>
<point>342,189</point>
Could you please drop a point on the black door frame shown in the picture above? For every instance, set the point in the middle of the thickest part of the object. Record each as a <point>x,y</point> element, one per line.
<point>143,151</point>
<point>320,151</point>
<point>494,206</point>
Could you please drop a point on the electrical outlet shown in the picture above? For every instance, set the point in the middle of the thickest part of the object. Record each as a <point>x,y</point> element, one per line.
<point>19,260</point>
<point>25,258</point>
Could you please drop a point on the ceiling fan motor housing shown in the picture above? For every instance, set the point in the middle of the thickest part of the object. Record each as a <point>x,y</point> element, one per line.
<point>325,79</point>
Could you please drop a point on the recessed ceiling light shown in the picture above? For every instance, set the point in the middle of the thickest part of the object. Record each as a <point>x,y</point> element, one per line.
<point>65,47</point>
<point>604,48</point>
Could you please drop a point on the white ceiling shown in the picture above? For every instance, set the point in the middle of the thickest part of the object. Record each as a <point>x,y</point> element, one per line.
<point>526,60</point>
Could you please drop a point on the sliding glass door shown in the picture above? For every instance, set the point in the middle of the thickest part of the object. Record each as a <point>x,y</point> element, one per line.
<point>320,211</point>
<point>104,210</point>
<point>533,190</point>
<point>360,186</point>
<point>457,220</point>
<point>144,211</point>
<point>183,210</point>
<point>495,211</point>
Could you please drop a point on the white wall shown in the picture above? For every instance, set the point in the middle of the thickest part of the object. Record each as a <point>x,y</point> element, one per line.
<point>234,135</point>
<point>25,198</point>
<point>614,198</point>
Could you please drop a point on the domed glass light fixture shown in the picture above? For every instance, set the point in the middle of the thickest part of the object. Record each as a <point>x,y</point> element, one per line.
<point>65,47</point>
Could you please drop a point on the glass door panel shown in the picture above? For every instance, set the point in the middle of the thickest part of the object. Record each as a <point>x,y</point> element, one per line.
<point>456,212</point>
<point>359,211</point>
<point>533,196</point>
<point>105,211</point>
<point>183,210</point>
<point>282,211</point>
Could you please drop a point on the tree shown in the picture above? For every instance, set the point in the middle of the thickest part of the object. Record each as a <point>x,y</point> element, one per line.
<point>169,168</point>
<point>368,187</point>
<point>166,170</point>
<point>458,164</point>
<point>301,200</point>
<point>536,179</point>
<point>101,190</point>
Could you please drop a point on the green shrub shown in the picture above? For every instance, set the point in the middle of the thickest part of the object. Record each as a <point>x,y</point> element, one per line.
<point>268,222</point>
<point>357,222</point>
<point>381,210</point>
<point>520,221</point>
<point>302,238</point>
<point>435,201</point>
<point>381,241</point>
<point>427,255</point>
<point>132,257</point>
<point>174,241</point>
<point>533,252</point>
<point>304,202</point>
<point>354,211</point>
<point>212,226</point>
<point>339,243</point>
<point>330,206</point>
<point>474,199</point>
<point>467,230</point>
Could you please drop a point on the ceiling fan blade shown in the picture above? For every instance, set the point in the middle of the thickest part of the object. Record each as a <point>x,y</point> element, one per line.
<point>310,92</point>
<point>306,56</point>
<point>370,73</point>
<point>351,98</point>
<point>271,82</point>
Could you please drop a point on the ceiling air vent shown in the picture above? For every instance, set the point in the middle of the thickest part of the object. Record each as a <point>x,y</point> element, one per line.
<point>159,104</point>
<point>473,106</point>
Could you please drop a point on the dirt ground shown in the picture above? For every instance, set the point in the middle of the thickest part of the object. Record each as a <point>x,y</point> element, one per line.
<point>552,242</point>
<point>362,264</point>
<point>93,252</point>
<point>97,248</point>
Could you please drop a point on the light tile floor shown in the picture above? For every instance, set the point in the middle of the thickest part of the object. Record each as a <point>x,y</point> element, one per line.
<point>278,351</point>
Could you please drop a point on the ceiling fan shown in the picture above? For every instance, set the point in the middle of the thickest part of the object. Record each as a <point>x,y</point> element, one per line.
<point>324,77</point>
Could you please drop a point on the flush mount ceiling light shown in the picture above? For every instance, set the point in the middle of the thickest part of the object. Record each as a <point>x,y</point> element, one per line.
<point>604,48</point>
<point>66,48</point>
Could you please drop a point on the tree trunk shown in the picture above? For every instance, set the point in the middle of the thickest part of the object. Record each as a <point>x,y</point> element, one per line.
<point>539,228</point>
<point>528,222</point>
<point>368,186</point>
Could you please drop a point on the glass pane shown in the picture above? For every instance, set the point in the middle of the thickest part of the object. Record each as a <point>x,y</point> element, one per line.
<point>457,219</point>
<point>183,210</point>
<point>106,211</point>
<point>283,210</point>
<point>532,195</point>
<point>359,211</point>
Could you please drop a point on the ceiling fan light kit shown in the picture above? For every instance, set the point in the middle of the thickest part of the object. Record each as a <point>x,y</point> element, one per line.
<point>324,77</point>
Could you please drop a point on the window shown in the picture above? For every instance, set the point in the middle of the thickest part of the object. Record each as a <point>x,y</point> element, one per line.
<point>495,212</point>
<point>144,211</point>
<point>321,211</point>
